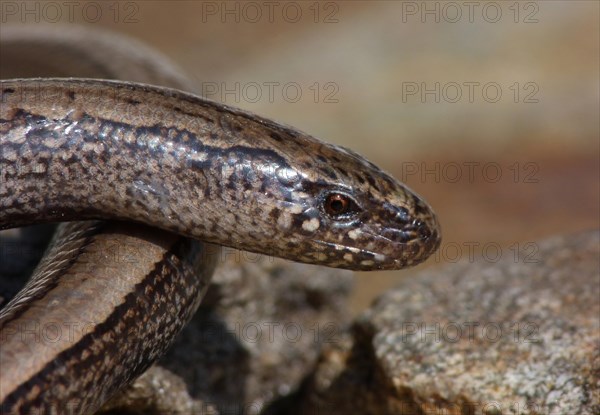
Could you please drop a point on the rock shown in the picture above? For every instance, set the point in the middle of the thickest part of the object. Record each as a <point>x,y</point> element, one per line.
<point>257,334</point>
<point>512,337</point>
<point>157,392</point>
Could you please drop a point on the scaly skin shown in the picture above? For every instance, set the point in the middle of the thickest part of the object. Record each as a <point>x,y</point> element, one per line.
<point>106,301</point>
<point>89,149</point>
<point>82,149</point>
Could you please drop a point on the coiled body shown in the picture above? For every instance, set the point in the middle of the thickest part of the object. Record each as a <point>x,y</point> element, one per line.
<point>80,149</point>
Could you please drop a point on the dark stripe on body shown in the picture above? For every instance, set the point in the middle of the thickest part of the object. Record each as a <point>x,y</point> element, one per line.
<point>92,347</point>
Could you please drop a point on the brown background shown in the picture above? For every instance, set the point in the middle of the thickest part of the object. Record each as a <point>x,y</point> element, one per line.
<point>541,158</point>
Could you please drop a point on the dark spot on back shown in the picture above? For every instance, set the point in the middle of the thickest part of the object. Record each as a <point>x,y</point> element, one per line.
<point>71,95</point>
<point>331,174</point>
<point>291,133</point>
<point>274,214</point>
<point>372,181</point>
<point>193,114</point>
<point>276,137</point>
<point>132,101</point>
<point>231,182</point>
<point>389,182</point>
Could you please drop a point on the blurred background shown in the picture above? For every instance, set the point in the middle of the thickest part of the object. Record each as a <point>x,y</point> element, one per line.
<point>487,109</point>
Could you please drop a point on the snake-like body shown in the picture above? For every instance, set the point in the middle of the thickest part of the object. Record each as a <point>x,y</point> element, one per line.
<point>90,149</point>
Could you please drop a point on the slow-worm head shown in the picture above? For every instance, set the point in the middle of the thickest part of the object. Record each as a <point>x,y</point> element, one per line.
<point>119,150</point>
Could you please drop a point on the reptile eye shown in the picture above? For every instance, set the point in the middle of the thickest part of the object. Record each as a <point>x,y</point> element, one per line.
<point>338,205</point>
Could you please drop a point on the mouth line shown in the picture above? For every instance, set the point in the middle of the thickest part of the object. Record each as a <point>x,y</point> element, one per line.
<point>339,247</point>
<point>381,261</point>
<point>378,236</point>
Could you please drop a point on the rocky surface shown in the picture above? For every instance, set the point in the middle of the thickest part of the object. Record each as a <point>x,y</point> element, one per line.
<point>518,336</point>
<point>256,335</point>
<point>157,392</point>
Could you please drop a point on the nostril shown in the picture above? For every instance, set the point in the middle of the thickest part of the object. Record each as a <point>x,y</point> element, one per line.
<point>423,230</point>
<point>406,227</point>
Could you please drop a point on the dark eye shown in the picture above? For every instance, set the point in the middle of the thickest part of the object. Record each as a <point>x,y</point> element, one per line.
<point>338,205</point>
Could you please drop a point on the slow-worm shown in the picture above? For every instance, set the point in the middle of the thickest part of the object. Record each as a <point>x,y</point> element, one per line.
<point>90,149</point>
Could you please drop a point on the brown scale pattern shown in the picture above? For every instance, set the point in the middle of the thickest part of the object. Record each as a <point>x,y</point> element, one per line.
<point>117,150</point>
<point>125,332</point>
<point>82,149</point>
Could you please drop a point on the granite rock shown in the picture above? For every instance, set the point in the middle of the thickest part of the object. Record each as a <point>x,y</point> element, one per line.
<point>517,336</point>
